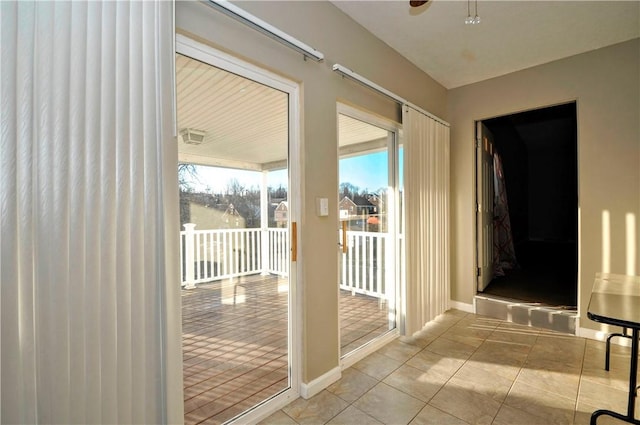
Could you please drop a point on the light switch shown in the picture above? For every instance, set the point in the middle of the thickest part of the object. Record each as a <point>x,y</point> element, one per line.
<point>322,207</point>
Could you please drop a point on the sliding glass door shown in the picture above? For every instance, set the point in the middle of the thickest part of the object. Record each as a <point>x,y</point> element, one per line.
<point>367,202</point>
<point>236,205</point>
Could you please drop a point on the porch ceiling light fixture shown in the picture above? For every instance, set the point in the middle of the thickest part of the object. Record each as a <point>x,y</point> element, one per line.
<point>269,30</point>
<point>192,136</point>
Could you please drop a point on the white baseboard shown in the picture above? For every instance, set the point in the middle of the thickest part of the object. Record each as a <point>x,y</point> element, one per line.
<point>362,352</point>
<point>467,308</point>
<point>308,390</point>
<point>602,336</point>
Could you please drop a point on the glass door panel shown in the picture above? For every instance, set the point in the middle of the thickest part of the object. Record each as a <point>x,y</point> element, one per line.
<point>367,224</point>
<point>234,200</point>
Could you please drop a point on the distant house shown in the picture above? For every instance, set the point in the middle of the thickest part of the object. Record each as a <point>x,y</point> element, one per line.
<point>359,212</point>
<point>281,214</point>
<point>347,208</point>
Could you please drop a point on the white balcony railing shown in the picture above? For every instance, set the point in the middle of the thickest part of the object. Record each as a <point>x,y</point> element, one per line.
<point>217,254</point>
<point>363,270</point>
<point>226,253</point>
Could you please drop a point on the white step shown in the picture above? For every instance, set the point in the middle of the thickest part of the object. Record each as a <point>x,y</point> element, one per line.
<point>538,315</point>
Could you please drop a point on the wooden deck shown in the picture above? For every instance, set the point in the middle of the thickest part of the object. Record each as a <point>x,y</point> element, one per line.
<point>235,343</point>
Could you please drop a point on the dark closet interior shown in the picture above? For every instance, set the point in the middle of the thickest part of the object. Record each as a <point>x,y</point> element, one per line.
<point>538,151</point>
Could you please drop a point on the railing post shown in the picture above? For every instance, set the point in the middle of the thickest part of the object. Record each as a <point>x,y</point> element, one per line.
<point>264,225</point>
<point>189,265</point>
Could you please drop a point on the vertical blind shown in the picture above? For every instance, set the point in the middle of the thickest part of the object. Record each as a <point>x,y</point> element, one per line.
<point>426,194</point>
<point>88,197</point>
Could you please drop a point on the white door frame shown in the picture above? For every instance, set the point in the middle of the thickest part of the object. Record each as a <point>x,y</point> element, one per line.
<point>392,147</point>
<point>227,62</point>
<point>484,206</point>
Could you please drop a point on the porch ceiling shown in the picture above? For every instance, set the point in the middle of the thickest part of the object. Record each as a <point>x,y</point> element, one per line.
<point>245,122</point>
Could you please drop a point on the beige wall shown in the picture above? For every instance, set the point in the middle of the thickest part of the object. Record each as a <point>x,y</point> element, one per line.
<point>606,86</point>
<point>321,25</point>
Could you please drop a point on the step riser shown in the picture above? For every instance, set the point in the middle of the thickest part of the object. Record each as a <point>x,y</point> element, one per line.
<point>527,314</point>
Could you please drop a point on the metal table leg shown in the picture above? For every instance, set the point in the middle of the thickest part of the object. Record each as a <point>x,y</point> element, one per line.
<point>633,382</point>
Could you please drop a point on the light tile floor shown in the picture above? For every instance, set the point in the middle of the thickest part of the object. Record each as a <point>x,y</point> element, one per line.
<point>468,369</point>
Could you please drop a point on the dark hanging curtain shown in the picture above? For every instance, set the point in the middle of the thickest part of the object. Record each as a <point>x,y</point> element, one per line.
<point>504,253</point>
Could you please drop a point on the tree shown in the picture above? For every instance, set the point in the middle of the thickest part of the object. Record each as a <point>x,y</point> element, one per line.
<point>187,174</point>
<point>245,201</point>
<point>348,189</point>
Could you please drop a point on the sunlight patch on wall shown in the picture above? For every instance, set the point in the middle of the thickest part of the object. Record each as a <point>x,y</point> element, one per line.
<point>630,220</point>
<point>606,242</point>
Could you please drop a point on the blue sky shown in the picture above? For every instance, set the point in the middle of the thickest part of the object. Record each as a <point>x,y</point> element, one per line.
<point>365,171</point>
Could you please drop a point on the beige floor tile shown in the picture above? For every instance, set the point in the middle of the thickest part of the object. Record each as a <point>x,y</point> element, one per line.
<point>477,379</point>
<point>501,353</point>
<point>515,335</point>
<point>415,382</point>
<point>429,333</point>
<point>472,407</point>
<point>388,405</point>
<point>505,371</point>
<point>448,347</point>
<point>352,385</point>
<point>562,383</point>
<point>471,329</point>
<point>318,409</point>
<point>551,363</point>
<point>594,358</point>
<point>603,396</point>
<point>614,378</point>
<point>278,418</point>
<point>520,326</point>
<point>435,364</point>
<point>553,408</point>
<point>511,416</point>
<point>399,350</point>
<point>560,347</point>
<point>463,336</point>
<point>593,368</point>
<point>419,340</point>
<point>484,322</point>
<point>432,416</point>
<point>352,415</point>
<point>583,416</point>
<point>432,330</point>
<point>377,366</point>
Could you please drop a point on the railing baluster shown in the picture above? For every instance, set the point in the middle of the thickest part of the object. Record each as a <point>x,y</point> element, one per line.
<point>182,276</point>
<point>212,253</point>
<point>381,248</point>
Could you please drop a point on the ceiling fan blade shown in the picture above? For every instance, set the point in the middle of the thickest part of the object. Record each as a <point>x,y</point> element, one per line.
<point>416,3</point>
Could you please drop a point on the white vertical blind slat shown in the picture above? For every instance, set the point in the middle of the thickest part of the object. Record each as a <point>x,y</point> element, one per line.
<point>426,176</point>
<point>77,239</point>
<point>89,304</point>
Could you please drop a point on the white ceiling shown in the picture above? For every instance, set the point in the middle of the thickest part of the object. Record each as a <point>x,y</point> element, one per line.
<point>245,123</point>
<point>513,35</point>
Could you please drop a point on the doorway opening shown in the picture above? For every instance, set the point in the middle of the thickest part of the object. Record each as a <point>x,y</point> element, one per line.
<point>527,195</point>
